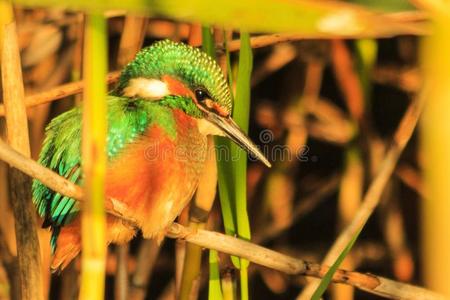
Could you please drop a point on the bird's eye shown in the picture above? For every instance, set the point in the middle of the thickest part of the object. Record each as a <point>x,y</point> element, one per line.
<point>201,94</point>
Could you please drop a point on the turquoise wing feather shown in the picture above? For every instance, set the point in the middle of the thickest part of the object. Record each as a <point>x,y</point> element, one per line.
<point>60,153</point>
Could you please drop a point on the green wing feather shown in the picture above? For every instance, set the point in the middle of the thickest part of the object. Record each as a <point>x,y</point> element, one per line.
<point>60,153</point>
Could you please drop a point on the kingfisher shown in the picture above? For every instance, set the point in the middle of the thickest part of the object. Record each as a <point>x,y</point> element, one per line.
<point>167,101</point>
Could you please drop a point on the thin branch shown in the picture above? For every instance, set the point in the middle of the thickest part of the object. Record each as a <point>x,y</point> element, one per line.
<point>228,244</point>
<point>266,40</point>
<point>277,261</point>
<point>60,92</point>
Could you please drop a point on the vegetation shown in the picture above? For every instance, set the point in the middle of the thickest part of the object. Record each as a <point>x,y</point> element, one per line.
<point>331,92</point>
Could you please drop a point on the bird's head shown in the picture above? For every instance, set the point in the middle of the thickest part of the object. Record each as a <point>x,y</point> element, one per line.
<point>186,78</point>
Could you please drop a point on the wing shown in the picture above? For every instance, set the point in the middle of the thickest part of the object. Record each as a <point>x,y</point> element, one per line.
<point>61,153</point>
<point>127,121</point>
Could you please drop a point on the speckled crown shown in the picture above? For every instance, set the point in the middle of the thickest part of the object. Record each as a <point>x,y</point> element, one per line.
<point>188,64</point>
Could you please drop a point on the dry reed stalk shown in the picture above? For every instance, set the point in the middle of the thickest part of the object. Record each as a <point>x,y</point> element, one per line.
<point>395,234</point>
<point>347,79</point>
<point>11,267</point>
<point>28,252</point>
<point>132,38</point>
<point>411,177</point>
<point>408,79</point>
<point>93,228</point>
<point>7,217</point>
<point>60,92</point>
<point>435,210</point>
<point>281,55</point>
<point>121,278</point>
<point>228,285</point>
<point>146,259</point>
<point>6,223</point>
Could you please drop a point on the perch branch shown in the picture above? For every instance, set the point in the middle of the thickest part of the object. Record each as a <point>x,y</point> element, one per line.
<point>227,244</point>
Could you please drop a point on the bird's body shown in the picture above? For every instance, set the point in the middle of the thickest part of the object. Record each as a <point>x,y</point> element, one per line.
<point>156,146</point>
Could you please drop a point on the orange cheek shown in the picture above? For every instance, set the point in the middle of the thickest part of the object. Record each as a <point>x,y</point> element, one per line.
<point>176,87</point>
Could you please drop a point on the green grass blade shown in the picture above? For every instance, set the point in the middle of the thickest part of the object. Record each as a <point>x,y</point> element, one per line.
<point>329,275</point>
<point>232,174</point>
<point>241,113</point>
<point>225,168</point>
<point>226,173</point>
<point>208,44</point>
<point>214,289</point>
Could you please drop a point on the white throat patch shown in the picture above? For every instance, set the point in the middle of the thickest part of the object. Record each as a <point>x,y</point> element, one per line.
<point>152,89</point>
<point>207,128</point>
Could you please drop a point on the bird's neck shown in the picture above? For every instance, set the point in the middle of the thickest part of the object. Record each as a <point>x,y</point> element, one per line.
<point>130,120</point>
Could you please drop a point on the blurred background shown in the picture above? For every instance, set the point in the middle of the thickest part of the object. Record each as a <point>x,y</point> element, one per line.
<point>323,109</point>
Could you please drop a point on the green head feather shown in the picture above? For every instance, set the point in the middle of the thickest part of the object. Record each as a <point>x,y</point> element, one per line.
<point>188,64</point>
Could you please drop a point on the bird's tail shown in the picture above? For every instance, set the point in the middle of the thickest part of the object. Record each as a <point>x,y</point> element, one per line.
<point>66,240</point>
<point>66,245</point>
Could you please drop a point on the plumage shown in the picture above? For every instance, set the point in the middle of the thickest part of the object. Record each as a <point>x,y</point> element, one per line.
<point>156,145</point>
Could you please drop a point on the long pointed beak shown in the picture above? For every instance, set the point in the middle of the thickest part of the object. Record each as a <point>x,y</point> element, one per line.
<point>232,131</point>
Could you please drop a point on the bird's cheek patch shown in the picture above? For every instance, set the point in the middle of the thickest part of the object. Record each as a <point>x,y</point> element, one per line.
<point>216,108</point>
<point>178,88</point>
<point>152,89</point>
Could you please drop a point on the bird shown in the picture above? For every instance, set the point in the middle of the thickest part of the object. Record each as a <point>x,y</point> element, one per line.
<point>166,103</point>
